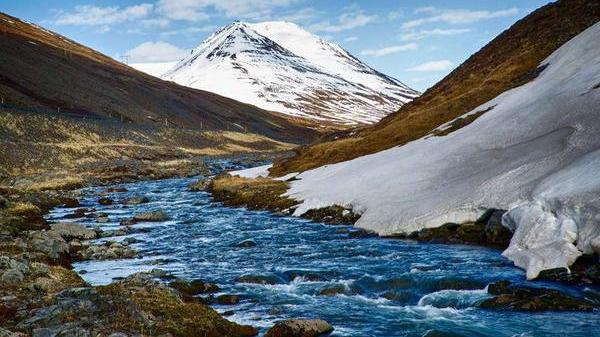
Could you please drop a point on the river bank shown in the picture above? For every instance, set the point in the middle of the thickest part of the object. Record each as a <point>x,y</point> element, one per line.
<point>41,294</point>
<point>257,261</point>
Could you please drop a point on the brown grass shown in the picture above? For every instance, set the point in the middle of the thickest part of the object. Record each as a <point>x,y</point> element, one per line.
<point>508,61</point>
<point>260,193</point>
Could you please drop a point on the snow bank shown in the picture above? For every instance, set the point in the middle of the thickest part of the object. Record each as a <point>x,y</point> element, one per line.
<point>536,153</point>
<point>253,172</point>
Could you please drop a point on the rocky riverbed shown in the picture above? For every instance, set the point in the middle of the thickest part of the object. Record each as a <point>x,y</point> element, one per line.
<point>219,271</point>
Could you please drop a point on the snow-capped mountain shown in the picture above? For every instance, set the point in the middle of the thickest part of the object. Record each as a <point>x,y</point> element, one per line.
<point>279,66</point>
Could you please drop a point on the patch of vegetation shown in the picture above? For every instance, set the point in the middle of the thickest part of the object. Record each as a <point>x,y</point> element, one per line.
<point>259,193</point>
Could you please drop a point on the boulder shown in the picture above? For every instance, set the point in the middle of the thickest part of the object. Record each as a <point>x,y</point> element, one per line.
<point>70,231</point>
<point>78,213</point>
<point>523,298</point>
<point>199,185</point>
<point>246,244</point>
<point>105,201</point>
<point>194,287</point>
<point>300,328</point>
<point>332,291</point>
<point>259,279</point>
<point>228,299</point>
<point>12,277</point>
<point>108,251</point>
<point>153,216</point>
<point>116,189</point>
<point>51,243</point>
<point>135,200</point>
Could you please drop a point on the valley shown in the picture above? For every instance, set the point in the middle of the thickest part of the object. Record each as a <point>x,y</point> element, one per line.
<point>270,183</point>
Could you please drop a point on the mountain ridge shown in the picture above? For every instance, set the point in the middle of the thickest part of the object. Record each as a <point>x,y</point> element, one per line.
<point>280,67</point>
<point>509,60</point>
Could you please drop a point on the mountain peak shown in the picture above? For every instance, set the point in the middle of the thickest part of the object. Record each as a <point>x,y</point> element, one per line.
<point>279,66</point>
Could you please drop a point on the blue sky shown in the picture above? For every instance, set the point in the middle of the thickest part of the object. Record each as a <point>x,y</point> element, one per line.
<point>418,42</point>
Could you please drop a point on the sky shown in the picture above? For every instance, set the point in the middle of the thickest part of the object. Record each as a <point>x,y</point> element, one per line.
<point>417,42</point>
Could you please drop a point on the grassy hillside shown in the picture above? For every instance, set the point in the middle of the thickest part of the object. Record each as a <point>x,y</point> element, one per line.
<point>508,61</point>
<point>39,68</point>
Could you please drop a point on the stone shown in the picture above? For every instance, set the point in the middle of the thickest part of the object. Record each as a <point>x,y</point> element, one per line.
<point>246,244</point>
<point>69,202</point>
<point>70,231</point>
<point>102,219</point>
<point>199,185</point>
<point>78,213</point>
<point>523,298</point>
<point>194,287</point>
<point>153,216</point>
<point>259,279</point>
<point>228,299</point>
<point>105,201</point>
<point>331,291</point>
<point>300,328</point>
<point>136,200</point>
<point>51,243</point>
<point>116,189</point>
<point>12,277</point>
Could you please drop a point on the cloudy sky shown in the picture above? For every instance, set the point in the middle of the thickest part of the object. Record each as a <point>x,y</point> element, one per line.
<point>418,42</point>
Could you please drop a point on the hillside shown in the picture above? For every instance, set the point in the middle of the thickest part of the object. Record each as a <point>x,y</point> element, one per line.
<point>535,153</point>
<point>281,67</point>
<point>39,68</point>
<point>508,61</point>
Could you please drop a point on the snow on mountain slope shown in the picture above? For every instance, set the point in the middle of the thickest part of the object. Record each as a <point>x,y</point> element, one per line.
<point>278,66</point>
<point>155,69</point>
<point>535,151</point>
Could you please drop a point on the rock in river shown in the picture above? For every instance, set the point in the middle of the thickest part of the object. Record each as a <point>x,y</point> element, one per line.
<point>532,299</point>
<point>153,216</point>
<point>136,200</point>
<point>300,328</point>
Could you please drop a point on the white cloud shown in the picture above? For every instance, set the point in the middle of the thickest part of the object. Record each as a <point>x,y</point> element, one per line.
<point>394,15</point>
<point>189,31</point>
<point>90,15</point>
<point>350,39</point>
<point>419,35</point>
<point>156,52</point>
<point>426,9</point>
<point>389,50</point>
<point>300,16</point>
<point>458,16</point>
<point>196,10</point>
<point>433,66</point>
<point>351,18</point>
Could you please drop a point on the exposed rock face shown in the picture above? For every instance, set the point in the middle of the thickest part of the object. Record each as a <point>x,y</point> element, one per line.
<point>532,299</point>
<point>300,328</point>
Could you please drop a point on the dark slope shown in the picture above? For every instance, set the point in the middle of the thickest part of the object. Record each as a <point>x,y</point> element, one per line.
<point>41,69</point>
<point>510,60</point>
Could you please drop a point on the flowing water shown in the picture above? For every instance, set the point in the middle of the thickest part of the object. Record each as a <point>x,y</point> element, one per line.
<point>385,287</point>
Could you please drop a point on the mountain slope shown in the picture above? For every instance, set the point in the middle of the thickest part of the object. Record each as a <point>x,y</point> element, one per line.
<point>534,152</point>
<point>510,60</point>
<point>39,68</point>
<point>278,66</point>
